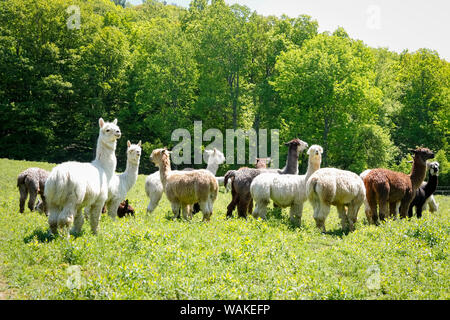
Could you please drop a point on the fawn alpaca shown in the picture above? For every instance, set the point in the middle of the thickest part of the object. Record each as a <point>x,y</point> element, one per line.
<point>185,189</point>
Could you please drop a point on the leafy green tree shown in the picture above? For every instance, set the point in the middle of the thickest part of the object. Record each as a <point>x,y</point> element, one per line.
<point>327,87</point>
<point>424,117</point>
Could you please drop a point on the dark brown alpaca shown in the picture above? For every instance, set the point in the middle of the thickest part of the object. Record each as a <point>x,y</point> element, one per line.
<point>386,187</point>
<point>125,209</point>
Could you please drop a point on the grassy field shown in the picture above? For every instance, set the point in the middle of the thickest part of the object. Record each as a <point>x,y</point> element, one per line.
<point>154,257</point>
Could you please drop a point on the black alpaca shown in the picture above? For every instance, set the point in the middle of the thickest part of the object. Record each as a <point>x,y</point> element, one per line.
<point>423,193</point>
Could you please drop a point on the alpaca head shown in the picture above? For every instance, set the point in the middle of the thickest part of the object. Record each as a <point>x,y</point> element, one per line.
<point>262,163</point>
<point>109,131</point>
<point>433,168</point>
<point>134,152</point>
<point>422,154</point>
<point>301,145</point>
<point>159,155</point>
<point>39,207</point>
<point>315,153</point>
<point>214,156</point>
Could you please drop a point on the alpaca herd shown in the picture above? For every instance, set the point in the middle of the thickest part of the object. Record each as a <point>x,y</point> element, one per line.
<point>95,187</point>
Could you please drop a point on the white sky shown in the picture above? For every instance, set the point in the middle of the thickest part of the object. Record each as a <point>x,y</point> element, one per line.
<point>395,24</point>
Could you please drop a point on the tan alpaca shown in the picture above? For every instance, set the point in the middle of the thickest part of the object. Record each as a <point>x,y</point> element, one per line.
<point>185,189</point>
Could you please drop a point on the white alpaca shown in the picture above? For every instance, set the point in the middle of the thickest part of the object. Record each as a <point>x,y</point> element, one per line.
<point>430,202</point>
<point>72,186</point>
<point>120,184</point>
<point>154,187</point>
<point>284,190</point>
<point>341,188</point>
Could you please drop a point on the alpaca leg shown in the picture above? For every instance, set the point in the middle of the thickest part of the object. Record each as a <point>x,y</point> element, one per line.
<point>410,211</point>
<point>433,206</point>
<point>95,213</point>
<point>321,216</point>
<point>404,207</point>
<point>371,199</point>
<point>44,205</point>
<point>175,209</point>
<point>343,216</point>
<point>23,197</point>
<point>352,214</point>
<point>233,204</point>
<point>65,218</point>
<point>295,214</point>
<point>185,210</point>
<point>260,210</point>
<point>250,208</point>
<point>393,209</point>
<point>112,208</point>
<point>78,221</point>
<point>419,208</point>
<point>154,201</point>
<point>206,209</point>
<point>243,206</point>
<point>367,211</point>
<point>384,209</point>
<point>53,219</point>
<point>396,211</point>
<point>32,199</point>
<point>374,212</point>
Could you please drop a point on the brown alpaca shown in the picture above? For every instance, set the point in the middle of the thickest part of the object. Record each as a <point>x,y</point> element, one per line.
<point>185,189</point>
<point>32,182</point>
<point>385,187</point>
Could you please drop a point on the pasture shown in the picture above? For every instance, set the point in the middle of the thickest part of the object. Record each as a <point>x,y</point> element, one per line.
<point>154,257</point>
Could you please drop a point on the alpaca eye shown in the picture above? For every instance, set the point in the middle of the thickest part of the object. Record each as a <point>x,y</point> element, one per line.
<point>107,130</point>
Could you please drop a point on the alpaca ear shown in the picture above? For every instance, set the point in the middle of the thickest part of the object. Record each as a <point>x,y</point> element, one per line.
<point>321,150</point>
<point>139,143</point>
<point>101,122</point>
<point>115,121</point>
<point>128,143</point>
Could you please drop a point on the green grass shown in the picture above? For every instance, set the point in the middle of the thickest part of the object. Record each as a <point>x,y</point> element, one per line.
<point>154,257</point>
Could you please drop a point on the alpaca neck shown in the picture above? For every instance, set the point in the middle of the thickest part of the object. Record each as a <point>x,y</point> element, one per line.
<point>431,186</point>
<point>212,167</point>
<point>418,172</point>
<point>164,170</point>
<point>313,166</point>
<point>106,156</point>
<point>292,161</point>
<point>130,175</point>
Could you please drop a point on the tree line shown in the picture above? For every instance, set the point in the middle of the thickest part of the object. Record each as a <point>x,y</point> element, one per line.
<point>159,67</point>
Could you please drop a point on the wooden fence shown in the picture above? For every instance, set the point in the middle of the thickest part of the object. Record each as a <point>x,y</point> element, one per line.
<point>443,190</point>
